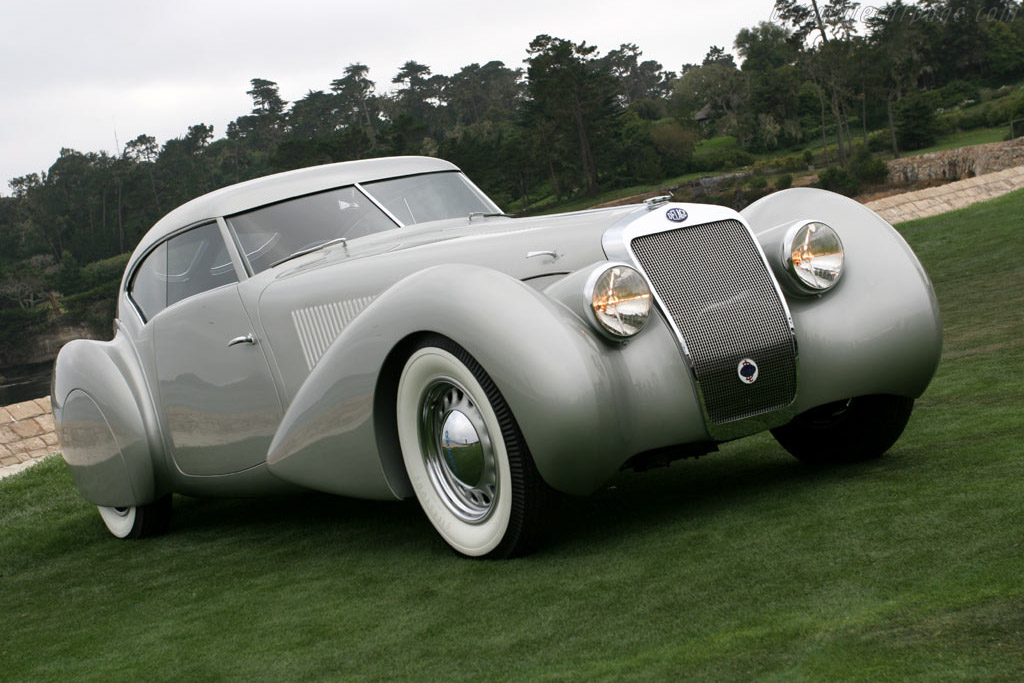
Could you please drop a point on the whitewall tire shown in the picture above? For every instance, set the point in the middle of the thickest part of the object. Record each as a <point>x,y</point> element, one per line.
<point>140,521</point>
<point>465,456</point>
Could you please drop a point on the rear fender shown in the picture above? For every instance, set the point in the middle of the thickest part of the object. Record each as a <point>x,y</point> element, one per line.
<point>101,409</point>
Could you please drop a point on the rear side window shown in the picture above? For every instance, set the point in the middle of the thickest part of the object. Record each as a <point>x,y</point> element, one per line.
<point>185,265</point>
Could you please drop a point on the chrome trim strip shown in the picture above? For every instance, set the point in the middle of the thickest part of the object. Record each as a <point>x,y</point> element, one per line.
<point>373,200</point>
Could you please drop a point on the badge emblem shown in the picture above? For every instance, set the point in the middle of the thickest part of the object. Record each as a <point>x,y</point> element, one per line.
<point>747,371</point>
<point>676,215</point>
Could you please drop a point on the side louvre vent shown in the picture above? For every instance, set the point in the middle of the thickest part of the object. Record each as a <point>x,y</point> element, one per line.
<point>318,326</point>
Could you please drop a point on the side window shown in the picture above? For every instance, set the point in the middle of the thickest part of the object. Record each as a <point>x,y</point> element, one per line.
<point>183,266</point>
<point>149,284</point>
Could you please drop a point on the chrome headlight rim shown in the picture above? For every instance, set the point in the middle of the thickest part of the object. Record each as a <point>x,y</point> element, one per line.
<point>589,303</point>
<point>797,278</point>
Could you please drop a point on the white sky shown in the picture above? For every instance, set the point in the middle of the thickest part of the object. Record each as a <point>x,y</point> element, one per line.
<point>77,73</point>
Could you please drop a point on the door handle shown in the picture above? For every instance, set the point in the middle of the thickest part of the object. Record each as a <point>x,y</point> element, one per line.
<point>244,339</point>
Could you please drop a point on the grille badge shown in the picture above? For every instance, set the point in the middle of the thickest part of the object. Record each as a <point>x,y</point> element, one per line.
<point>676,215</point>
<point>747,371</point>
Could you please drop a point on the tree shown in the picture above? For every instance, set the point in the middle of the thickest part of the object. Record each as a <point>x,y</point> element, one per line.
<point>713,92</point>
<point>313,116</point>
<point>571,88</point>
<point>828,59</point>
<point>356,104</point>
<point>765,47</point>
<point>638,80</point>
<point>265,97</point>
<point>476,93</point>
<point>419,94</point>
<point>718,55</point>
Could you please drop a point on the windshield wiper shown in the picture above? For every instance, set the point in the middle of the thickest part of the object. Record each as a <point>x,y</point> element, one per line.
<point>482,214</point>
<point>310,250</point>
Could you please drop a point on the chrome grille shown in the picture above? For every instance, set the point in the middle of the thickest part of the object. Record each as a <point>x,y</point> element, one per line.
<point>712,282</point>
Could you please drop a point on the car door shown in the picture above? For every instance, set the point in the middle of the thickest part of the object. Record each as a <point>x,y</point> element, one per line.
<point>215,389</point>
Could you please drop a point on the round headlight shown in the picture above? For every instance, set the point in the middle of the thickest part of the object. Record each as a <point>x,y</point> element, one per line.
<point>813,255</point>
<point>619,300</point>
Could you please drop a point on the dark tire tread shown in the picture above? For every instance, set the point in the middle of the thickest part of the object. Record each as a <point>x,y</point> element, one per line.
<point>862,428</point>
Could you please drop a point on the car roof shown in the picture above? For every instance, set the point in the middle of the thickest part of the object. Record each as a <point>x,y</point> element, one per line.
<point>280,186</point>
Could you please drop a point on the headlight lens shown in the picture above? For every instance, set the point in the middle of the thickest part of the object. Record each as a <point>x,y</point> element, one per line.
<point>619,299</point>
<point>814,256</point>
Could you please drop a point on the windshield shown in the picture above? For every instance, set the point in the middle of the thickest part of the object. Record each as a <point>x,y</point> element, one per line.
<point>430,197</point>
<point>273,233</point>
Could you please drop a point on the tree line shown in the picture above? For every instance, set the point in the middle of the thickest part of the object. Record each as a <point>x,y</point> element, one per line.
<point>829,75</point>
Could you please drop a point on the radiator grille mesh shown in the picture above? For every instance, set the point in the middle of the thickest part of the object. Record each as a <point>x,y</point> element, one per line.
<point>714,285</point>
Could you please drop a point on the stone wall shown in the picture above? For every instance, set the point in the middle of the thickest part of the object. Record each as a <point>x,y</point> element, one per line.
<point>43,348</point>
<point>932,201</point>
<point>27,433</point>
<point>956,164</point>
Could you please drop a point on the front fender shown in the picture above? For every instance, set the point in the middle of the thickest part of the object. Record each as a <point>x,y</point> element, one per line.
<point>879,330</point>
<point>558,378</point>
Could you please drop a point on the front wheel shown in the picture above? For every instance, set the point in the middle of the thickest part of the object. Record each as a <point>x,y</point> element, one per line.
<point>847,431</point>
<point>465,456</point>
<point>139,521</point>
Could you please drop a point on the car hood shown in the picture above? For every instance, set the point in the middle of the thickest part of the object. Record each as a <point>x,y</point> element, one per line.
<point>524,248</point>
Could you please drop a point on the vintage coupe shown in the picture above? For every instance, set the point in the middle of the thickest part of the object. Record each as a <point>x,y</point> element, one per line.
<point>379,329</point>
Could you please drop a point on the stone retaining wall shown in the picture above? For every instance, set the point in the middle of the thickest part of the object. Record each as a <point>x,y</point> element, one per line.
<point>956,164</point>
<point>27,433</point>
<point>933,201</point>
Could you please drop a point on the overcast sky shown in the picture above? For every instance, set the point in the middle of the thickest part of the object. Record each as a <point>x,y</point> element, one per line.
<point>92,74</point>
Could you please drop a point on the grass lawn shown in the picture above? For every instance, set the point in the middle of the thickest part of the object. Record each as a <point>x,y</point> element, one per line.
<point>744,565</point>
<point>978,136</point>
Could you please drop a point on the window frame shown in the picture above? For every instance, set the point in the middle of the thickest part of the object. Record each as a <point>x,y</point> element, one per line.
<point>229,247</point>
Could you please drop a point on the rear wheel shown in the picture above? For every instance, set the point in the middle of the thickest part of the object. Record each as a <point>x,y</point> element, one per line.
<point>139,521</point>
<point>851,430</point>
<point>465,456</point>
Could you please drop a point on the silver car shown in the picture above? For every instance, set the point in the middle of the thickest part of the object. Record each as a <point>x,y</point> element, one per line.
<point>379,329</point>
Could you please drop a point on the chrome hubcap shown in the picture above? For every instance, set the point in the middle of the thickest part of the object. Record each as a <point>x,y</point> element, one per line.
<point>458,451</point>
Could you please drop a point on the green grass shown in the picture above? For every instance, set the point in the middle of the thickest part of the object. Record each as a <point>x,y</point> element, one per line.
<point>743,565</point>
<point>978,136</point>
<point>716,144</point>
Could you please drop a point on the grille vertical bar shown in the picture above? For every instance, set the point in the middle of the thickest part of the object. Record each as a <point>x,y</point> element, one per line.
<point>714,284</point>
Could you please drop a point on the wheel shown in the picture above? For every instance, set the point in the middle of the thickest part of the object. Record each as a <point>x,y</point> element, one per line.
<point>140,521</point>
<point>465,456</point>
<point>852,430</point>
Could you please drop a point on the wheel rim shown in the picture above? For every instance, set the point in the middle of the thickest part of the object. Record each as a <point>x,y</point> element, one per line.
<point>458,452</point>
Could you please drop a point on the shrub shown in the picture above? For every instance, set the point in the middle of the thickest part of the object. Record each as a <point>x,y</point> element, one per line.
<point>916,121</point>
<point>957,93</point>
<point>975,117</point>
<point>839,180</point>
<point>791,163</point>
<point>18,326</point>
<point>102,272</point>
<point>880,141</point>
<point>948,123</point>
<point>784,182</point>
<point>757,182</point>
<point>867,168</point>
